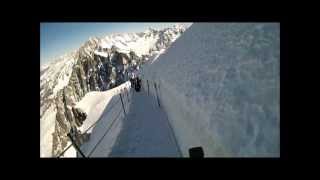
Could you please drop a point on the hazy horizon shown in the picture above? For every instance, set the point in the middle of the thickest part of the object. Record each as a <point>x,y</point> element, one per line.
<point>57,39</point>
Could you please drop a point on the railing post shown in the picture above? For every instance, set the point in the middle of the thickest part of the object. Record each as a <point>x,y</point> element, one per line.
<point>155,87</point>
<point>127,95</point>
<point>75,145</point>
<point>122,104</point>
<point>148,86</point>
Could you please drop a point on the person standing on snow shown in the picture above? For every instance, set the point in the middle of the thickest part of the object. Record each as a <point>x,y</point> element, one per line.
<point>132,79</point>
<point>135,80</point>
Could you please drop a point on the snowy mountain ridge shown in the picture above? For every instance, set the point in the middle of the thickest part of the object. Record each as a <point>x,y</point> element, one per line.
<point>98,65</point>
<point>149,43</point>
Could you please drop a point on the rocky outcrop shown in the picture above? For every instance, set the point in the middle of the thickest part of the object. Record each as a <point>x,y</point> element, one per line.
<point>90,73</point>
<point>79,115</point>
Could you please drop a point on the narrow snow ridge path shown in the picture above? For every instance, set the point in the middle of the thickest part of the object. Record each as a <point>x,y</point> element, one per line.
<point>145,131</point>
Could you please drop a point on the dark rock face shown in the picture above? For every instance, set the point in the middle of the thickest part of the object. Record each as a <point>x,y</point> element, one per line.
<point>79,115</point>
<point>90,73</point>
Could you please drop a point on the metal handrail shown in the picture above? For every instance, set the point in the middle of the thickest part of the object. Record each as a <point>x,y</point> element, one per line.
<point>104,134</point>
<point>62,153</point>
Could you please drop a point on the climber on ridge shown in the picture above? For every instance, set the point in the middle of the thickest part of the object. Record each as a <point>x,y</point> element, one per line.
<point>135,80</point>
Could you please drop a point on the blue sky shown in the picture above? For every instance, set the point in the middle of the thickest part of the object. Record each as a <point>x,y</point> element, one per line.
<point>59,38</point>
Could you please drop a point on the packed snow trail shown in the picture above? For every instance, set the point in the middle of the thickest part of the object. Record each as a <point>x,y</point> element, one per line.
<point>105,131</point>
<point>145,132</point>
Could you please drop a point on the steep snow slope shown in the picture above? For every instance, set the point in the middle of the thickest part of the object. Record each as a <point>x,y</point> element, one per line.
<point>219,84</point>
<point>57,73</point>
<point>97,105</point>
<point>149,41</point>
<point>95,102</point>
<point>47,124</point>
<point>108,122</point>
<point>142,132</point>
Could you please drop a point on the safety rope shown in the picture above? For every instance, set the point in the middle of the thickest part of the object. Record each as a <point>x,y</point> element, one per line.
<point>100,140</point>
<point>102,118</point>
<point>157,91</point>
<point>109,110</point>
<point>114,120</point>
<point>104,134</point>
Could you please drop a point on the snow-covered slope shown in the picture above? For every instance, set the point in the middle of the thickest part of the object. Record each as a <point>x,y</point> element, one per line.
<point>145,131</point>
<point>47,124</point>
<point>95,102</point>
<point>149,42</point>
<point>219,84</point>
<point>53,77</point>
<point>56,75</point>
<point>142,132</point>
<point>107,128</point>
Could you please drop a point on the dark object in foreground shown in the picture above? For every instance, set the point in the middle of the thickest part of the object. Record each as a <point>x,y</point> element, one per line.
<point>136,83</point>
<point>196,152</point>
<point>75,144</point>
<point>124,111</point>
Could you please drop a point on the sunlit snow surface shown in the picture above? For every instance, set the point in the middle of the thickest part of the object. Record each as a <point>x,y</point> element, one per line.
<point>220,85</point>
<point>58,73</point>
<point>47,124</point>
<point>132,42</point>
<point>97,105</point>
<point>142,132</point>
<point>95,102</point>
<point>145,131</point>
